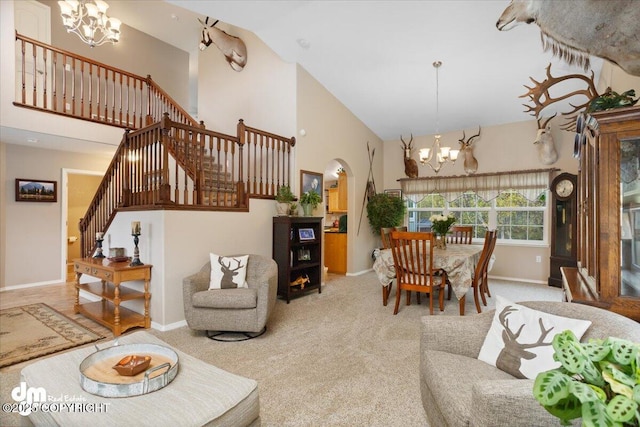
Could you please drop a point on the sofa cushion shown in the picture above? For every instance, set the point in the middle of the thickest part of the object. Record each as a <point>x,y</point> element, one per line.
<point>226,298</point>
<point>228,272</point>
<point>519,340</point>
<point>450,379</point>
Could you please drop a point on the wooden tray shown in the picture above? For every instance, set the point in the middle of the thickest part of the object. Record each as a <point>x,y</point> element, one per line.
<point>98,377</point>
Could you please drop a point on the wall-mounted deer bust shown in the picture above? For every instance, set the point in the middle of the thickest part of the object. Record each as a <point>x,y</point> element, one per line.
<point>410,165</point>
<point>466,148</point>
<point>232,47</point>
<point>547,153</point>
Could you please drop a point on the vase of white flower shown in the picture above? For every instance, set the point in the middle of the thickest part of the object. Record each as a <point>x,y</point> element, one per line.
<point>440,225</point>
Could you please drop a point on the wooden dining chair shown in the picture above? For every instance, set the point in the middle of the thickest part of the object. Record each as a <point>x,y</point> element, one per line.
<point>400,228</point>
<point>485,282</point>
<point>413,262</point>
<point>480,270</point>
<point>462,234</point>
<point>385,235</point>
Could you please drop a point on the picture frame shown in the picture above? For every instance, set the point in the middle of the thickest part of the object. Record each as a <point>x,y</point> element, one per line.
<point>394,193</point>
<point>36,190</point>
<point>306,234</point>
<point>311,181</point>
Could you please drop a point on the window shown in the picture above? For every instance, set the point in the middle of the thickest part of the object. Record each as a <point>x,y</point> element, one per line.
<point>518,219</point>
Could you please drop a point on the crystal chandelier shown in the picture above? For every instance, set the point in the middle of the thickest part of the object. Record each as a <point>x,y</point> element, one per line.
<point>88,19</point>
<point>441,154</point>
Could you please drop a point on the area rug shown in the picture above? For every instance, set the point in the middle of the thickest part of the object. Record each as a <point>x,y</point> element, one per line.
<point>35,330</point>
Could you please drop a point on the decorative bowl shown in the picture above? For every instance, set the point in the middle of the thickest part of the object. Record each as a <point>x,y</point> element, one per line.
<point>132,365</point>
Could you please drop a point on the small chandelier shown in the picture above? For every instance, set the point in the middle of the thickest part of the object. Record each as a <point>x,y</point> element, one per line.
<point>91,15</point>
<point>441,154</point>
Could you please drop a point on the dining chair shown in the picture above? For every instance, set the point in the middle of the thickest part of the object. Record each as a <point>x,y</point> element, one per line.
<point>385,233</point>
<point>485,281</point>
<point>413,262</point>
<point>400,228</point>
<point>462,234</point>
<point>479,273</point>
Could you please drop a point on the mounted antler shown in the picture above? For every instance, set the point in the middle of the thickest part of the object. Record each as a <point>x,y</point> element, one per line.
<point>410,165</point>
<point>466,146</point>
<point>539,95</point>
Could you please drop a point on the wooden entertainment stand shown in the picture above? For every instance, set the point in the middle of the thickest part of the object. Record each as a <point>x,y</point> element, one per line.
<point>107,311</point>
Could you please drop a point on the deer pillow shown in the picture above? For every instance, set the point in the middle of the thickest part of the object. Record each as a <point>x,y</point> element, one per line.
<point>519,340</point>
<point>228,272</point>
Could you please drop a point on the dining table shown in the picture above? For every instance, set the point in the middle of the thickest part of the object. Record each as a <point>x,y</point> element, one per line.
<point>458,260</point>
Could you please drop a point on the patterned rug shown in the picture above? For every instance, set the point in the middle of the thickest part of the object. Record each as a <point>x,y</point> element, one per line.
<point>36,330</point>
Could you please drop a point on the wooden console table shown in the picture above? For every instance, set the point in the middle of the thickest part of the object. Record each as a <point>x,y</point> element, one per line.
<point>107,311</point>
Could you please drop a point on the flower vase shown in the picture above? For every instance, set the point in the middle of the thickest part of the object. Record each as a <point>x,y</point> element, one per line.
<point>307,209</point>
<point>441,241</point>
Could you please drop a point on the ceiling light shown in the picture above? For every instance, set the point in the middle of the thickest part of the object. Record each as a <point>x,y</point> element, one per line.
<point>441,154</point>
<point>88,20</point>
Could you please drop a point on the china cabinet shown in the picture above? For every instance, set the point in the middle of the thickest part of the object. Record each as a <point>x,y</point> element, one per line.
<point>608,267</point>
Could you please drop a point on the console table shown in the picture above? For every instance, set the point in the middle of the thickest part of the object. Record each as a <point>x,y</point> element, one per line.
<point>107,311</point>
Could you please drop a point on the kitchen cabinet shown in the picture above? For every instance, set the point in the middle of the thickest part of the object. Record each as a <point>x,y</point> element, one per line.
<point>338,195</point>
<point>335,252</point>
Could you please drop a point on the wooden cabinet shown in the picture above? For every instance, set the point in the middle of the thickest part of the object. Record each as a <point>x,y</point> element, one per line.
<point>608,215</point>
<point>107,311</point>
<point>338,195</point>
<point>335,252</point>
<point>297,249</point>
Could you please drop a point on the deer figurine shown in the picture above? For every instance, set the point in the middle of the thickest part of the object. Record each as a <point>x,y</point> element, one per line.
<point>232,47</point>
<point>510,357</point>
<point>466,148</point>
<point>410,165</point>
<point>228,274</point>
<point>547,153</point>
<point>573,30</point>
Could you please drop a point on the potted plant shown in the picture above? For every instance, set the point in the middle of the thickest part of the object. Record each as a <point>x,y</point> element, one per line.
<point>283,198</point>
<point>384,210</point>
<point>440,225</point>
<point>309,201</point>
<point>598,381</point>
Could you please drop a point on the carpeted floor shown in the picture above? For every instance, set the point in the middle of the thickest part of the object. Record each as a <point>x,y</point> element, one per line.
<point>338,358</point>
<point>35,330</point>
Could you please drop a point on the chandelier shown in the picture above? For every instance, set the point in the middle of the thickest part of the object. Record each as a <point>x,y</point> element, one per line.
<point>88,20</point>
<point>440,154</point>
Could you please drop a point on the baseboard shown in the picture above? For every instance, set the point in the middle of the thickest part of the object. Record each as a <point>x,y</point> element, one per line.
<point>30,285</point>
<point>359,273</point>
<point>170,326</point>
<point>516,279</point>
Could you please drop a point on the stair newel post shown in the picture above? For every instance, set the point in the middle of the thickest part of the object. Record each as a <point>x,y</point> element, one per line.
<point>126,170</point>
<point>289,147</point>
<point>242,139</point>
<point>165,187</point>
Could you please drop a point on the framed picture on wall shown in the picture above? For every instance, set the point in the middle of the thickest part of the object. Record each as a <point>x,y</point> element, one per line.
<point>310,181</point>
<point>36,190</point>
<point>394,193</point>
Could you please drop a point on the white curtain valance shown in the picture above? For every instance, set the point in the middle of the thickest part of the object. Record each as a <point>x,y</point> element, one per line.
<point>488,186</point>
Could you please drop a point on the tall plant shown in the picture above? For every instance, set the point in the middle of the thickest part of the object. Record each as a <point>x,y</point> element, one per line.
<point>598,381</point>
<point>384,210</point>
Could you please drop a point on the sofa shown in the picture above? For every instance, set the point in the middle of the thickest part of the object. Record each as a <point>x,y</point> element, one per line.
<point>232,310</point>
<point>457,389</point>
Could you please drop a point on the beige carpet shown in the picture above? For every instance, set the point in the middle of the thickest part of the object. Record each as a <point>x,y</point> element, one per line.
<point>338,358</point>
<point>35,330</point>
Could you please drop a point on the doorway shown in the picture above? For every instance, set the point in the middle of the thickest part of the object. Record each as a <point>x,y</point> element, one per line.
<point>78,190</point>
<point>337,202</point>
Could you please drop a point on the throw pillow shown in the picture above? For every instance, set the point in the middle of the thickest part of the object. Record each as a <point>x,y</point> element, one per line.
<point>228,272</point>
<point>519,340</point>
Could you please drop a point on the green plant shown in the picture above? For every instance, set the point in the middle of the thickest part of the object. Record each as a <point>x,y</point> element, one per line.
<point>310,198</point>
<point>442,223</point>
<point>598,381</point>
<point>284,194</point>
<point>384,210</point>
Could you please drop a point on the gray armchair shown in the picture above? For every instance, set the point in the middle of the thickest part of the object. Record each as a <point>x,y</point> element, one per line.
<point>243,310</point>
<point>459,390</point>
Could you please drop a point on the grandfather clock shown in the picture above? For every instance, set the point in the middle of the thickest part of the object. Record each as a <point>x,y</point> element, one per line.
<point>563,226</point>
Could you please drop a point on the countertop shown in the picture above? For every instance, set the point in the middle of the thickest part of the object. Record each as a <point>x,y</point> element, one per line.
<point>334,230</point>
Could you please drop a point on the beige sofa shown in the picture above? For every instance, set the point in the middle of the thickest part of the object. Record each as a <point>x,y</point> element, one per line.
<point>232,310</point>
<point>459,390</point>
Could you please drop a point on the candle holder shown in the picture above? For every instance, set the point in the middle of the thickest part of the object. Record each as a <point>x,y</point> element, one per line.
<point>136,253</point>
<point>99,240</point>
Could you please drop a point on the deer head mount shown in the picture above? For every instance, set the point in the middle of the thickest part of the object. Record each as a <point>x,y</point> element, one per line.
<point>410,165</point>
<point>228,273</point>
<point>232,47</point>
<point>573,30</point>
<point>511,356</point>
<point>466,148</point>
<point>547,153</point>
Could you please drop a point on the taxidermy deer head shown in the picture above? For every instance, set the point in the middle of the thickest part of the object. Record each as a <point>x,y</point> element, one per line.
<point>547,153</point>
<point>466,148</point>
<point>410,165</point>
<point>232,47</point>
<point>575,29</point>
